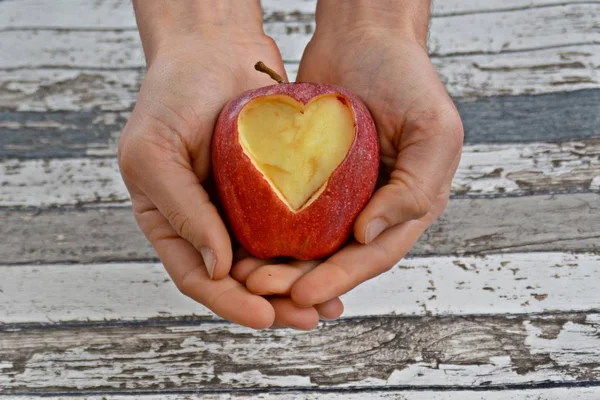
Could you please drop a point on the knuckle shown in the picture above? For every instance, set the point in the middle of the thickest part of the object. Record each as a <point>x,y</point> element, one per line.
<point>441,123</point>
<point>416,203</point>
<point>455,131</point>
<point>181,223</point>
<point>185,283</point>
<point>125,157</point>
<point>387,261</point>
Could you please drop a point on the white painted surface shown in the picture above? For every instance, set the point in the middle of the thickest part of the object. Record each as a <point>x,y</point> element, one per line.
<point>484,170</point>
<point>496,284</point>
<point>531,394</point>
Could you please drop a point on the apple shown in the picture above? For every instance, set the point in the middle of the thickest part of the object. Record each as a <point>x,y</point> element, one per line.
<point>294,164</point>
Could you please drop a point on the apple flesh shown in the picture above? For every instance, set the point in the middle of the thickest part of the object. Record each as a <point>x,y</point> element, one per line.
<point>294,164</point>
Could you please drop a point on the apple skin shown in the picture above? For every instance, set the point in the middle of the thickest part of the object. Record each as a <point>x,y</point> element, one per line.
<point>261,222</point>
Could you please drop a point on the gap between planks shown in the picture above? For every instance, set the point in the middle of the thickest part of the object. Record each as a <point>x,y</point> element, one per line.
<point>556,393</point>
<point>484,170</point>
<point>520,283</point>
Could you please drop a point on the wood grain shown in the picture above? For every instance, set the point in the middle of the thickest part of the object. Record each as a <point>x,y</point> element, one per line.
<point>412,352</point>
<point>556,393</point>
<point>566,222</point>
<point>445,285</point>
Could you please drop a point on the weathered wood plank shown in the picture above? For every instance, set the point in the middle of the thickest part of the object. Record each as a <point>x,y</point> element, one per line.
<point>534,72</point>
<point>516,169</point>
<point>489,33</point>
<point>26,135</point>
<point>571,393</point>
<point>529,168</point>
<point>496,284</point>
<point>518,30</point>
<point>54,236</point>
<point>414,352</point>
<point>69,89</point>
<point>567,222</point>
<point>503,119</point>
<point>540,71</point>
<point>549,117</point>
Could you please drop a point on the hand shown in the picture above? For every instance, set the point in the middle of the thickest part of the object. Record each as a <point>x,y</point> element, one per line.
<point>194,68</point>
<point>420,135</point>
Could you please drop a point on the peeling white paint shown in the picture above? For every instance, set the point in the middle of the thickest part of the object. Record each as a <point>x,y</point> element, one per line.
<point>595,185</point>
<point>252,377</point>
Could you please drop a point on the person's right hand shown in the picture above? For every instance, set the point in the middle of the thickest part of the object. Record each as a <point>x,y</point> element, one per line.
<point>164,152</point>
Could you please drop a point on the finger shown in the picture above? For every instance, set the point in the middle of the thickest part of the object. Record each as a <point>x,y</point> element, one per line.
<point>426,153</point>
<point>167,178</point>
<point>290,315</point>
<point>355,264</point>
<point>244,266</point>
<point>225,297</point>
<point>330,310</point>
<point>277,279</point>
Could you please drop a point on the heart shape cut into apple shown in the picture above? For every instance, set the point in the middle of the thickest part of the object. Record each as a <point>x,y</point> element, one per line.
<point>294,164</point>
<point>296,147</point>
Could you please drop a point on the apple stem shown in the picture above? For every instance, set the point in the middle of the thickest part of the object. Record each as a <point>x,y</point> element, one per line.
<point>261,67</point>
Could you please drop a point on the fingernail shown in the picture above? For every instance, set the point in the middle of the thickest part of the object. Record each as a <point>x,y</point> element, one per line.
<point>374,229</point>
<point>209,260</point>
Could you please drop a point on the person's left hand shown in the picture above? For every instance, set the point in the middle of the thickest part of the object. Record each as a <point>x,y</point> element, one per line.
<point>420,134</point>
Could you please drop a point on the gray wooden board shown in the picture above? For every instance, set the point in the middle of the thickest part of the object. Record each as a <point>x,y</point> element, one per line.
<point>567,222</point>
<point>417,352</point>
<point>501,119</point>
<point>59,134</point>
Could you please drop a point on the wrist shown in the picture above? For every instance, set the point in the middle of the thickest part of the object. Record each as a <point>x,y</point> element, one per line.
<point>163,24</point>
<point>408,19</point>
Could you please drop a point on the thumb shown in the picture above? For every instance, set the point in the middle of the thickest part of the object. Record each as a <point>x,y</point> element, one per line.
<point>421,170</point>
<point>170,183</point>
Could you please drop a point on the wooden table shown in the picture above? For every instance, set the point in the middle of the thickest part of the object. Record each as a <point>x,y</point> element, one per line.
<point>500,299</point>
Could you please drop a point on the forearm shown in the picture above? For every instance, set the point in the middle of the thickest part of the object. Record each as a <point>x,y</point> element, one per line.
<point>160,22</point>
<point>406,17</point>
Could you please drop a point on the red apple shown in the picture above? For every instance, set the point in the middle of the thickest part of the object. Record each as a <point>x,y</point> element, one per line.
<point>294,164</point>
